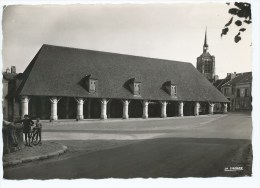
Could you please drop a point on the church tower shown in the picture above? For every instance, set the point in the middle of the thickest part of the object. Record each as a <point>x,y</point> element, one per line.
<point>206,62</point>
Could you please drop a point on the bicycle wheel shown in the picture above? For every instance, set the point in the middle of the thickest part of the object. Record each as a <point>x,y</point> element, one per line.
<point>35,138</point>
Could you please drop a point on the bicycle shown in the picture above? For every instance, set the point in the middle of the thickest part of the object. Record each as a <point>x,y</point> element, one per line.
<point>35,136</point>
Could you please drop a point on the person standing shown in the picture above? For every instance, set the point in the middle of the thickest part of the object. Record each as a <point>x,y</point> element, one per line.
<point>38,126</point>
<point>27,123</point>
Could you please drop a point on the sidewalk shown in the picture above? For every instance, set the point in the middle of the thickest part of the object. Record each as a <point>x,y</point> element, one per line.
<point>46,150</point>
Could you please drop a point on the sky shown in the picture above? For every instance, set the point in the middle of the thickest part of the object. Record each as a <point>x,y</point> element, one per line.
<point>165,31</point>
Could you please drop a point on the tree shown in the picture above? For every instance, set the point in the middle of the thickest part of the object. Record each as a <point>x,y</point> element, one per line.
<point>241,18</point>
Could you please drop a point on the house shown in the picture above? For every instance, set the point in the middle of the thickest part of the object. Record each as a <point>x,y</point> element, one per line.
<point>238,91</point>
<point>8,77</point>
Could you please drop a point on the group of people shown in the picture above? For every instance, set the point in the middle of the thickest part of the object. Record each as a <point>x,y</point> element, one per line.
<point>27,127</point>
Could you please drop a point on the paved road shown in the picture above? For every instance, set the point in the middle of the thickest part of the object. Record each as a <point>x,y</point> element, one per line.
<point>188,147</point>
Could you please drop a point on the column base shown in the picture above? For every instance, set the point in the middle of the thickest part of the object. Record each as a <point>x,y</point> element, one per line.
<point>104,117</point>
<point>163,116</point>
<point>125,117</point>
<point>80,117</point>
<point>53,118</point>
<point>180,115</point>
<point>145,116</point>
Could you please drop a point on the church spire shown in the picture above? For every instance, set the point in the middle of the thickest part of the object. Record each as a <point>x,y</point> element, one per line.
<point>205,46</point>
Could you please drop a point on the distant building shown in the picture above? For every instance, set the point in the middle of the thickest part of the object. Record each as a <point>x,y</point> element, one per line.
<point>8,78</point>
<point>70,83</point>
<point>238,91</point>
<point>206,63</point>
<point>219,83</point>
<point>236,87</point>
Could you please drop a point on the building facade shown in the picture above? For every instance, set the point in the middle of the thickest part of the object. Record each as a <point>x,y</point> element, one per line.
<point>8,77</point>
<point>70,83</point>
<point>238,91</point>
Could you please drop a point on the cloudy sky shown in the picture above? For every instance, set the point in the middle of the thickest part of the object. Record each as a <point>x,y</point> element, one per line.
<point>166,31</point>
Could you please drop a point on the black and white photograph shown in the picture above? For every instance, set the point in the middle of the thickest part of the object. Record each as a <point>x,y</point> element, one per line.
<point>127,90</point>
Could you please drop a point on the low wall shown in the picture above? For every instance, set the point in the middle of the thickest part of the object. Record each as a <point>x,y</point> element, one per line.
<point>12,137</point>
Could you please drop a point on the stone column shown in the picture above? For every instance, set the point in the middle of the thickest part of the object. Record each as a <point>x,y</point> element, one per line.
<point>80,103</point>
<point>145,109</point>
<point>125,109</point>
<point>54,107</point>
<point>225,108</point>
<point>196,108</point>
<point>103,109</point>
<point>180,109</point>
<point>163,109</point>
<point>24,106</point>
<point>211,108</point>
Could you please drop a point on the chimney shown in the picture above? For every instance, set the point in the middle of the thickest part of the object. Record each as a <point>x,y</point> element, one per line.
<point>8,70</point>
<point>216,77</point>
<point>13,69</point>
<point>233,75</point>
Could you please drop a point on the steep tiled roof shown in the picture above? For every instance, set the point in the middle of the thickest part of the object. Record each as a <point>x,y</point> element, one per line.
<point>240,78</point>
<point>59,71</point>
<point>219,83</point>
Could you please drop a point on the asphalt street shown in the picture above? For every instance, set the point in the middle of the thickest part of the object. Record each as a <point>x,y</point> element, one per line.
<point>206,146</point>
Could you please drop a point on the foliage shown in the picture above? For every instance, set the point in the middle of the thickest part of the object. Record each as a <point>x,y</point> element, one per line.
<point>242,14</point>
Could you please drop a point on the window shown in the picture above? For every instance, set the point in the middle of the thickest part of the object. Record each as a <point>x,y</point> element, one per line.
<point>242,105</point>
<point>233,90</point>
<point>136,88</point>
<point>170,88</point>
<point>226,91</point>
<point>173,91</point>
<point>92,85</point>
<point>246,93</point>
<point>238,92</point>
<point>207,66</point>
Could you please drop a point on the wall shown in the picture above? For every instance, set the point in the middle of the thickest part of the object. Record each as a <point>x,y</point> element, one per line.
<point>241,102</point>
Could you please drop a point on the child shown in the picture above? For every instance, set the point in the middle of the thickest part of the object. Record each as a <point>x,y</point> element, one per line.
<point>38,126</point>
<point>27,123</point>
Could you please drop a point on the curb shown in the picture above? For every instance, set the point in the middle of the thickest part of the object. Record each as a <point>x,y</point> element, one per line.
<point>35,158</point>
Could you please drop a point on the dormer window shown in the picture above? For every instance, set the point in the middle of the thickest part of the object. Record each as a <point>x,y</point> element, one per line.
<point>135,87</point>
<point>171,88</point>
<point>91,84</point>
